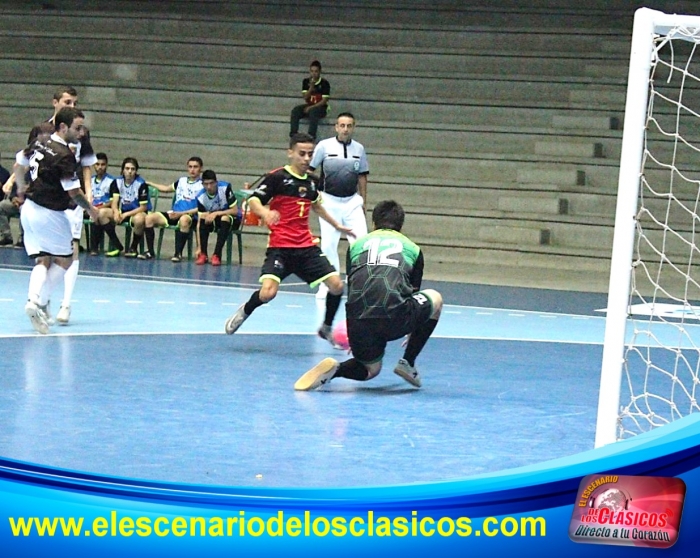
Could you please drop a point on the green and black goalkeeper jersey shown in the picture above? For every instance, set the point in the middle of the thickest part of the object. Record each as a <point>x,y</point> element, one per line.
<point>384,269</point>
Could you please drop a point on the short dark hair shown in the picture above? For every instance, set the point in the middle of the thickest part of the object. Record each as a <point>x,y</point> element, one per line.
<point>208,175</point>
<point>196,160</point>
<point>315,63</point>
<point>346,115</point>
<point>66,116</point>
<point>64,89</point>
<point>299,137</point>
<point>101,157</point>
<point>388,214</point>
<point>131,160</point>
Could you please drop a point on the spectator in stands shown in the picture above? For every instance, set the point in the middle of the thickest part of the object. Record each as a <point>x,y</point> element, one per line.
<point>316,92</point>
<point>103,185</point>
<point>217,211</point>
<point>183,213</point>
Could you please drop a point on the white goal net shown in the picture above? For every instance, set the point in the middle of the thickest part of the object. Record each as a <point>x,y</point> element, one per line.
<point>651,357</point>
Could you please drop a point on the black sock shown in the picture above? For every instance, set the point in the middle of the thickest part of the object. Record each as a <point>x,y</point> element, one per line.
<point>353,370</point>
<point>332,305</point>
<point>418,340</point>
<point>97,234</point>
<point>150,239</point>
<point>253,303</point>
<point>203,238</point>
<point>180,241</point>
<point>222,236</point>
<point>136,241</point>
<point>112,234</point>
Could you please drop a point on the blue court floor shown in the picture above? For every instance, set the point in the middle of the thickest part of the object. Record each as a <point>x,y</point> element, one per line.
<point>143,383</point>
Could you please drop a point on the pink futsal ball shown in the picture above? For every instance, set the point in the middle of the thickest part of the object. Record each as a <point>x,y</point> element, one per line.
<point>340,335</point>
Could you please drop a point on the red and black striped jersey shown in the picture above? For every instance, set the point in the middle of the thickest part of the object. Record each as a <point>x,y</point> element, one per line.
<point>291,196</point>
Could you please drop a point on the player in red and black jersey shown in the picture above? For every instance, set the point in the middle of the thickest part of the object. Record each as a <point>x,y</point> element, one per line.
<point>283,201</point>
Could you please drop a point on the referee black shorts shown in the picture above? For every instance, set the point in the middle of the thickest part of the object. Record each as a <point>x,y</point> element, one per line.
<point>368,337</point>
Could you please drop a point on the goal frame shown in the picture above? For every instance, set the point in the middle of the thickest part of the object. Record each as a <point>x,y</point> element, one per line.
<point>647,24</point>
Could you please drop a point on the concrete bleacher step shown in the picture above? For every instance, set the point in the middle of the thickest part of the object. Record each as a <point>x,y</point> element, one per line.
<point>210,104</point>
<point>356,14</point>
<point>409,87</point>
<point>355,57</point>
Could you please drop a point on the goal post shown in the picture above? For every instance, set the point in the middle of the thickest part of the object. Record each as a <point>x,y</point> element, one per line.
<point>651,33</point>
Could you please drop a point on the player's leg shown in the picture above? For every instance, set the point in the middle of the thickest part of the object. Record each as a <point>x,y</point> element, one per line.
<point>330,237</point>
<point>367,342</point>
<point>138,228</point>
<point>224,225</point>
<point>273,271</point>
<point>203,231</point>
<point>46,233</point>
<point>153,220</point>
<point>106,219</point>
<point>427,308</point>
<point>315,115</point>
<point>75,218</point>
<point>181,236</point>
<point>312,266</point>
<point>296,115</point>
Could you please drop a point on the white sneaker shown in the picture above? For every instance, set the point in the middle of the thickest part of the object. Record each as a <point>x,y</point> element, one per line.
<point>322,291</point>
<point>408,373</point>
<point>235,321</point>
<point>63,315</point>
<point>320,374</point>
<point>37,317</point>
<point>47,312</point>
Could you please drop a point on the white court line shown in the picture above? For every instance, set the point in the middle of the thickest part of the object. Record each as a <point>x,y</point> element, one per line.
<point>133,301</point>
<point>548,316</point>
<point>98,301</point>
<point>197,303</point>
<point>516,315</point>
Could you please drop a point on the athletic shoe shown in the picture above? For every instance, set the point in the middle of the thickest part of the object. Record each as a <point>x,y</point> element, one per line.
<point>7,241</point>
<point>215,260</point>
<point>114,253</point>
<point>319,375</point>
<point>63,315</point>
<point>408,372</point>
<point>322,291</point>
<point>37,317</point>
<point>326,332</point>
<point>131,253</point>
<point>201,259</point>
<point>177,258</point>
<point>47,312</point>
<point>146,256</point>
<point>235,321</point>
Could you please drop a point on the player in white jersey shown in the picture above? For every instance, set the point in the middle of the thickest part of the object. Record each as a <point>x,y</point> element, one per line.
<point>218,211</point>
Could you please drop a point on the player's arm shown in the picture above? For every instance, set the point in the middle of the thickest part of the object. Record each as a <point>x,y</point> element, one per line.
<point>9,183</point>
<point>362,188</point>
<point>417,272</point>
<point>87,182</point>
<point>268,216</point>
<point>165,188</point>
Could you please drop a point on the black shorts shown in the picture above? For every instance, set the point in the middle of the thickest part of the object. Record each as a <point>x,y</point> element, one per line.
<point>174,221</point>
<point>309,264</point>
<point>368,337</point>
<point>216,225</point>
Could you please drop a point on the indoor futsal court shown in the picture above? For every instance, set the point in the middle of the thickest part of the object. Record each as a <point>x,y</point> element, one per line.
<point>144,383</point>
